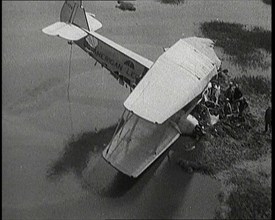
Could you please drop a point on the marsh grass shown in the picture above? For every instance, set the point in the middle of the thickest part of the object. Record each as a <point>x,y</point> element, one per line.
<point>251,199</point>
<point>268,2</point>
<point>246,46</point>
<point>256,85</point>
<point>172,2</point>
<point>125,6</point>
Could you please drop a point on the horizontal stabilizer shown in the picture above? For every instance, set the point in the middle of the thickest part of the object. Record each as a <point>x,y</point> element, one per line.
<point>74,22</point>
<point>66,31</point>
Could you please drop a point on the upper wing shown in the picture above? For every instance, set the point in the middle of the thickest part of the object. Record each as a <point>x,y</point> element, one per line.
<point>178,76</point>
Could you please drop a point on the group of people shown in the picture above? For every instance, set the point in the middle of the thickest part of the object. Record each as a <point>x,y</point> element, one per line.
<point>234,102</point>
<point>229,103</point>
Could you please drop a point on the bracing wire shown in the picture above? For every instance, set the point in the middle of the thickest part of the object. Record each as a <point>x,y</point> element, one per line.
<point>68,88</point>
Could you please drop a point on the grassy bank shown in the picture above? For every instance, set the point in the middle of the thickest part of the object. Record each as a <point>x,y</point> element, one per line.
<point>238,153</point>
<point>247,47</point>
<point>232,149</point>
<point>230,140</point>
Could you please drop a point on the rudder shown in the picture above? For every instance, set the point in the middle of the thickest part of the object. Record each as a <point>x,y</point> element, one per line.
<point>74,22</point>
<point>73,12</point>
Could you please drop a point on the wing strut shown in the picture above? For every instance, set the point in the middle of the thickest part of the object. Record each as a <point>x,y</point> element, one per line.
<point>121,123</point>
<point>118,125</point>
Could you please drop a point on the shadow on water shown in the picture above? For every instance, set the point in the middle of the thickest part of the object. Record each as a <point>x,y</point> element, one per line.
<point>166,197</point>
<point>122,183</point>
<point>119,186</point>
<point>77,152</point>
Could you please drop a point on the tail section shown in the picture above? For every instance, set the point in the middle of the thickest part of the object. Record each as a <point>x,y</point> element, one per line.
<point>73,12</point>
<point>74,22</point>
<point>79,26</point>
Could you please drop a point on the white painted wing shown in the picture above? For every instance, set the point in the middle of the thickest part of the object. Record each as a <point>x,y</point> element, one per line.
<point>138,144</point>
<point>178,76</point>
<point>66,31</point>
<point>205,46</point>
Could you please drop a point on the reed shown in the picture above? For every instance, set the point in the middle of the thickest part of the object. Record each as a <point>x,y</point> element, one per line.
<point>246,46</point>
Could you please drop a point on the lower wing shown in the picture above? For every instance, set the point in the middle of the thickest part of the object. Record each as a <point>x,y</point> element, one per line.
<point>138,143</point>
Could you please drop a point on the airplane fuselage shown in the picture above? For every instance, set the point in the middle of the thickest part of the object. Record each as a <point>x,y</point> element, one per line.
<point>122,67</point>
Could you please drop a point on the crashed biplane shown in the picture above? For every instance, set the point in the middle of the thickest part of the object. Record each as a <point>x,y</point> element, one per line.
<point>163,93</point>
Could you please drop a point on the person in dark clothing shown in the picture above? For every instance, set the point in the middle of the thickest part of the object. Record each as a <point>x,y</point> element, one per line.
<point>237,93</point>
<point>237,96</point>
<point>229,93</point>
<point>242,106</point>
<point>268,119</point>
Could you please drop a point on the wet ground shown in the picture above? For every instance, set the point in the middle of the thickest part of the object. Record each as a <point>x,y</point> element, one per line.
<point>36,129</point>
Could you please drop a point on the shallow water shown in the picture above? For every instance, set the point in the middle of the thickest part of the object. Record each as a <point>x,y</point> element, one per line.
<point>36,116</point>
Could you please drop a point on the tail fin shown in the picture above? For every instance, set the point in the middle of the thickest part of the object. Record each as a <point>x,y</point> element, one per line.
<point>74,22</point>
<point>73,12</point>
